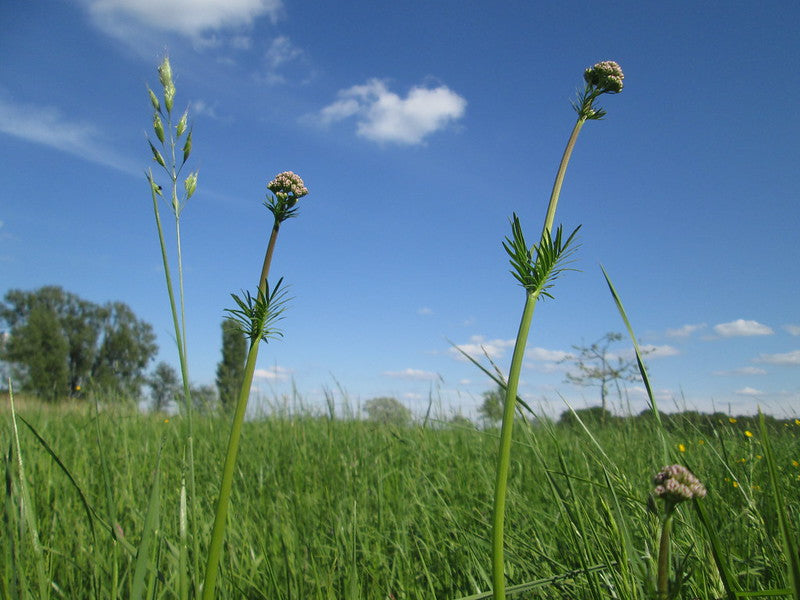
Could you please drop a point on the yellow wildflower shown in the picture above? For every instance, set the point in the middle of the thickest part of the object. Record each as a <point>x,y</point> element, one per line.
<point>731,420</point>
<point>748,433</point>
<point>681,448</point>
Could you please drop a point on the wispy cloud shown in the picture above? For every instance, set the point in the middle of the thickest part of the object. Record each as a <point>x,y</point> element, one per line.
<point>479,347</point>
<point>653,351</point>
<point>281,55</point>
<point>414,374</point>
<point>384,116</point>
<point>685,330</point>
<point>425,311</point>
<point>46,125</point>
<point>741,327</point>
<point>545,355</point>
<point>741,371</point>
<point>785,358</point>
<point>792,329</point>
<point>276,373</point>
<point>191,18</point>
<point>748,391</point>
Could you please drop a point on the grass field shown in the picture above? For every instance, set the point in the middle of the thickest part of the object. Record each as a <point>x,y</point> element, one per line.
<point>341,508</point>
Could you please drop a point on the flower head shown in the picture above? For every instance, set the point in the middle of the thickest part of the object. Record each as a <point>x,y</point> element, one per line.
<point>606,76</point>
<point>288,185</point>
<point>288,188</point>
<point>676,483</point>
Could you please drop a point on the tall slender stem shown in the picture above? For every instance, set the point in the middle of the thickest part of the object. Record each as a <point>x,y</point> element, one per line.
<point>662,584</point>
<point>226,484</point>
<point>504,456</point>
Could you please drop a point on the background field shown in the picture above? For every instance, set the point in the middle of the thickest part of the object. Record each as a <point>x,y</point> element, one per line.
<point>343,508</point>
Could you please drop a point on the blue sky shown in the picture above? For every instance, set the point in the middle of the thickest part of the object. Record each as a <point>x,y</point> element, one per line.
<point>419,128</point>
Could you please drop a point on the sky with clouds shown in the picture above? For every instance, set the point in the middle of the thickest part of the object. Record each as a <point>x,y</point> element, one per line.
<point>419,128</point>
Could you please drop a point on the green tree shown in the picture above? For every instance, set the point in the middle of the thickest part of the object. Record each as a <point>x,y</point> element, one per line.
<point>164,386</point>
<point>41,351</point>
<point>596,365</point>
<point>58,343</point>
<point>230,370</point>
<point>387,411</point>
<point>491,410</point>
<point>126,347</point>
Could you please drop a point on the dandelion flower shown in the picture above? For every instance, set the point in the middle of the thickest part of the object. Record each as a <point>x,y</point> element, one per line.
<point>731,420</point>
<point>681,448</point>
<point>748,433</point>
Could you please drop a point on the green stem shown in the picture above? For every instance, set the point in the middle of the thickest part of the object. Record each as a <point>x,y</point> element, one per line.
<point>662,583</point>
<point>226,485</point>
<point>504,457</point>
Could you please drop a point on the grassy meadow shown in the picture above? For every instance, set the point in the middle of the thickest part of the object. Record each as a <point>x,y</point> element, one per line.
<point>335,508</point>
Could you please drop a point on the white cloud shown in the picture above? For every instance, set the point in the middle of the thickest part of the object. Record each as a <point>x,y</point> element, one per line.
<point>415,374</point>
<point>742,371</point>
<point>546,355</point>
<point>478,347</point>
<point>424,311</point>
<point>792,329</point>
<point>383,116</point>
<point>46,125</point>
<point>748,391</point>
<point>276,373</point>
<point>280,53</point>
<point>685,330</point>
<point>187,17</point>
<point>652,351</point>
<point>741,327</point>
<point>785,358</point>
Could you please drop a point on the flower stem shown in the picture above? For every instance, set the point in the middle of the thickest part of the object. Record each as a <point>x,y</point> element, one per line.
<point>662,583</point>
<point>226,485</point>
<point>504,457</point>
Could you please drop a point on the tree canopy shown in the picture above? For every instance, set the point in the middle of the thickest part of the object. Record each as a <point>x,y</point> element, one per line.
<point>59,344</point>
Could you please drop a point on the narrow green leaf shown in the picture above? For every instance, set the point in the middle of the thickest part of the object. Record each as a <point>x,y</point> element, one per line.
<point>790,548</point>
<point>151,520</point>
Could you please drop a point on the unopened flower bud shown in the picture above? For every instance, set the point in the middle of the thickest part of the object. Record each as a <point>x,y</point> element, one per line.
<point>190,184</point>
<point>158,127</point>
<point>606,76</point>
<point>165,73</point>
<point>181,126</point>
<point>154,99</point>
<point>187,147</point>
<point>287,184</point>
<point>676,483</point>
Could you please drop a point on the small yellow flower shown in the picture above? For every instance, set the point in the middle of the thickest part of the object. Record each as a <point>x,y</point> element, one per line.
<point>755,488</point>
<point>795,463</point>
<point>727,480</point>
<point>742,460</point>
<point>681,448</point>
<point>759,457</point>
<point>736,484</point>
<point>797,422</point>
<point>166,420</point>
<point>731,420</point>
<point>748,433</point>
<point>701,442</point>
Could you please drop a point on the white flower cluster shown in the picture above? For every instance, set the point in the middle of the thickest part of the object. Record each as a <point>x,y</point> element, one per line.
<point>676,483</point>
<point>606,76</point>
<point>288,184</point>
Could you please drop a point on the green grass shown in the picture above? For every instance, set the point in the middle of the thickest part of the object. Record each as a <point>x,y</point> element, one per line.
<point>348,509</point>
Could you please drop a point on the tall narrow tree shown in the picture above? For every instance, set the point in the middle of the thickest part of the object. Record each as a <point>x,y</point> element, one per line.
<point>230,370</point>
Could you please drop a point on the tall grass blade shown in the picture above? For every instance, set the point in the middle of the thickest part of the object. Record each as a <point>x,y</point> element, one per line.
<point>789,542</point>
<point>144,562</point>
<point>640,363</point>
<point>28,510</point>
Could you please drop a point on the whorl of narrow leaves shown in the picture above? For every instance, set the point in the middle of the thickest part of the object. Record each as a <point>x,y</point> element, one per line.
<point>257,316</point>
<point>538,266</point>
